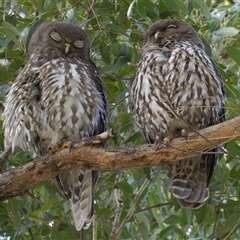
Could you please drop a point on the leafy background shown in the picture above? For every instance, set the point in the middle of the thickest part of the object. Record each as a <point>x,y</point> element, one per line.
<point>116,29</point>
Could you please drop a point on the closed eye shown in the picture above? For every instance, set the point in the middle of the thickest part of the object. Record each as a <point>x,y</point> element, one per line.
<point>78,44</point>
<point>56,36</point>
<point>171,26</point>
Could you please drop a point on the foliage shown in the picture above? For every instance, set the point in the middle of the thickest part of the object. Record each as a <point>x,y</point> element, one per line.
<point>116,29</point>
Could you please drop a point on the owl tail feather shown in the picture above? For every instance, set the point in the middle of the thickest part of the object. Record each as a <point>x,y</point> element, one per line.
<point>81,202</point>
<point>190,179</point>
<point>77,186</point>
<point>190,194</point>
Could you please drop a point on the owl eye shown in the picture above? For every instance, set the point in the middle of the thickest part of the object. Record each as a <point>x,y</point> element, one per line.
<point>78,44</point>
<point>171,26</point>
<point>56,36</point>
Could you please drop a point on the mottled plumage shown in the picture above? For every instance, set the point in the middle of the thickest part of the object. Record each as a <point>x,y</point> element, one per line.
<point>58,97</point>
<point>178,87</point>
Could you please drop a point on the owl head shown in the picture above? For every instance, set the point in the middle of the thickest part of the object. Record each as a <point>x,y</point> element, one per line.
<point>62,37</point>
<point>171,30</point>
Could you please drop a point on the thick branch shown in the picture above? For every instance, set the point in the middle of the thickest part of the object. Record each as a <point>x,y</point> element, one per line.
<point>17,181</point>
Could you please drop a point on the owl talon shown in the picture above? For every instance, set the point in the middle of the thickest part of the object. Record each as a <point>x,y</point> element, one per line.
<point>54,149</point>
<point>168,139</point>
<point>178,133</point>
<point>184,134</point>
<point>181,133</point>
<point>67,145</point>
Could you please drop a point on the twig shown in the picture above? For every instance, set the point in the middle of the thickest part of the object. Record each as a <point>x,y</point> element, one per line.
<point>215,223</point>
<point>94,226</point>
<point>232,230</point>
<point>154,206</point>
<point>98,139</point>
<point>4,155</point>
<point>89,12</point>
<point>130,211</point>
<point>34,198</point>
<point>29,229</point>
<point>119,202</point>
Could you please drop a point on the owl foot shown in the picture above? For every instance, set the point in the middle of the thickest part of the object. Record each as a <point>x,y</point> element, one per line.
<point>168,138</point>
<point>54,149</point>
<point>183,133</point>
<point>178,133</point>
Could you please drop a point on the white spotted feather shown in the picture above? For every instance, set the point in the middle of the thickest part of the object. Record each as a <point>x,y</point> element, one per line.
<point>178,87</point>
<point>58,97</point>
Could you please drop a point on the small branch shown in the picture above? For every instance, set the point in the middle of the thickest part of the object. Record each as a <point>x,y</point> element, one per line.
<point>4,155</point>
<point>119,203</point>
<point>15,181</point>
<point>154,206</point>
<point>89,12</point>
<point>34,198</point>
<point>98,139</point>
<point>94,226</point>
<point>131,210</point>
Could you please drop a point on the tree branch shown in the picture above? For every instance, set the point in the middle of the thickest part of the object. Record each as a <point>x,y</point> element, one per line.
<point>18,180</point>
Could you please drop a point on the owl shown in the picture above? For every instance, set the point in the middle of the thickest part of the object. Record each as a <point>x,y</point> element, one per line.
<point>58,97</point>
<point>178,89</point>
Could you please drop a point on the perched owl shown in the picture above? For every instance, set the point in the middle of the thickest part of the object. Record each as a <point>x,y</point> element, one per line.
<point>58,97</point>
<point>178,89</point>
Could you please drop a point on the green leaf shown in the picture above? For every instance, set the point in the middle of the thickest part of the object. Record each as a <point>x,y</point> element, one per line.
<point>11,28</point>
<point>13,208</point>
<point>235,172</point>
<point>38,4</point>
<point>227,32</point>
<point>190,6</point>
<point>147,171</point>
<point>182,6</point>
<point>11,34</point>
<point>49,204</point>
<point>4,217</point>
<point>56,235</point>
<point>172,219</point>
<point>234,53</point>
<point>168,231</point>
<point>230,204</point>
<point>105,54</point>
<point>202,6</point>
<point>5,75</point>
<point>173,5</point>
<point>46,230</point>
<point>142,218</point>
<point>125,187</point>
<point>232,105</point>
<point>141,10</point>
<point>231,222</point>
<point>122,61</point>
<point>116,29</point>
<point>104,211</point>
<point>233,148</point>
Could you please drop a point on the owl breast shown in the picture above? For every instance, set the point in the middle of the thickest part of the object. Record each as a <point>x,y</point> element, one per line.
<point>175,91</point>
<point>70,101</point>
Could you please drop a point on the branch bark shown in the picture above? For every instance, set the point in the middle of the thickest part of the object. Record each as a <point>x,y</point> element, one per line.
<point>19,180</point>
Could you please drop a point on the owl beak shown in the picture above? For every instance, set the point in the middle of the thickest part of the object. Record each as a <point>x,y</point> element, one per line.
<point>67,46</point>
<point>157,35</point>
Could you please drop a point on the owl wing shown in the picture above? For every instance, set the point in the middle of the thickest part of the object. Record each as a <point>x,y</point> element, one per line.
<point>192,177</point>
<point>221,118</point>
<point>103,121</point>
<point>82,204</point>
<point>23,117</point>
<point>168,93</point>
<point>74,99</point>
